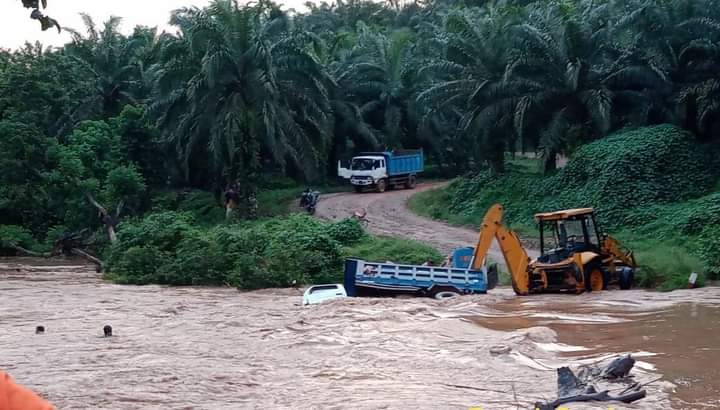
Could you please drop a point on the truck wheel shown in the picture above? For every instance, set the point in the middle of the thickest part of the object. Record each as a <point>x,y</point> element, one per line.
<point>381,185</point>
<point>446,295</point>
<point>411,182</point>
<point>358,189</point>
<point>626,279</point>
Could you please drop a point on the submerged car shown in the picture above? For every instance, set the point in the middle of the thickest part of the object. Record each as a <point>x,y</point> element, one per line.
<point>322,293</point>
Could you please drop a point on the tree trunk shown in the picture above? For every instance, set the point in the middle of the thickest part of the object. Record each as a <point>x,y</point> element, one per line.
<point>550,162</point>
<point>110,221</point>
<point>111,233</point>
<point>28,252</point>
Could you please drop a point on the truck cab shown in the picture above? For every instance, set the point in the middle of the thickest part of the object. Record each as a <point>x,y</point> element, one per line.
<point>365,171</point>
<point>381,170</point>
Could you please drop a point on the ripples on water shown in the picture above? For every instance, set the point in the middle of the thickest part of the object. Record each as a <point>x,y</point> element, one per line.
<point>217,348</point>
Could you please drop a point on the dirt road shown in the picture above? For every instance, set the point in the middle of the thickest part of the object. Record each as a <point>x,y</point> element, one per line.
<point>388,215</point>
<point>217,348</point>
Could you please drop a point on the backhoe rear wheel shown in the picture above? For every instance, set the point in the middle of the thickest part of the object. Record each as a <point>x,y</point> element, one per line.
<point>626,278</point>
<point>594,278</point>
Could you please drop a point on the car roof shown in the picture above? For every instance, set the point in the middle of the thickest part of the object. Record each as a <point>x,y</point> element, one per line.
<point>566,214</point>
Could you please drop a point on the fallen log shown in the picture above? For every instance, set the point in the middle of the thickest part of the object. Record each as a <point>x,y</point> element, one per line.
<point>83,254</point>
<point>572,388</point>
<point>28,252</point>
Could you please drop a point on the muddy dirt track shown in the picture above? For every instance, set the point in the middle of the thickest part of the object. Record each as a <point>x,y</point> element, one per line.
<point>217,348</point>
<point>388,215</point>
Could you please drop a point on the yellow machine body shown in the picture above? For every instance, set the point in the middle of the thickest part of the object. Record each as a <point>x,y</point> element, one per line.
<point>592,264</point>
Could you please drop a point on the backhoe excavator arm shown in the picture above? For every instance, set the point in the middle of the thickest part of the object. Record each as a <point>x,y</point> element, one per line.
<point>515,256</point>
<point>612,247</point>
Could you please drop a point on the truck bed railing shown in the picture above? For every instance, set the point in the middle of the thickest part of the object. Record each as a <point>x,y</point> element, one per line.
<point>412,276</point>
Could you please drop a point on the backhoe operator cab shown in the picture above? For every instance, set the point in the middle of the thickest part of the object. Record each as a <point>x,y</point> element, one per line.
<point>566,232</point>
<point>574,255</point>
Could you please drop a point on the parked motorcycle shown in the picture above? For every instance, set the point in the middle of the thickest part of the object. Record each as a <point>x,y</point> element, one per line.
<point>309,200</point>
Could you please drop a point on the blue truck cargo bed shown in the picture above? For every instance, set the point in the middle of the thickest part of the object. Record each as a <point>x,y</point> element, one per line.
<point>401,162</point>
<point>370,278</point>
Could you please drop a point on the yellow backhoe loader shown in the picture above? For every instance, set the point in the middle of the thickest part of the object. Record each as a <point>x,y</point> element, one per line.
<point>574,256</point>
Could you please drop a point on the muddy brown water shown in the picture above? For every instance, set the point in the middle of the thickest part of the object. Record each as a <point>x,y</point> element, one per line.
<point>681,341</point>
<point>217,348</point>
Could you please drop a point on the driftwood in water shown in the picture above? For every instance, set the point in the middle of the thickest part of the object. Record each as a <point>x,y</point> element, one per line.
<point>28,252</point>
<point>83,254</point>
<point>577,389</point>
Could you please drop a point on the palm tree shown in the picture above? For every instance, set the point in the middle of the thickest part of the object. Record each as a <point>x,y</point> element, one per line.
<point>573,80</point>
<point>235,86</point>
<point>376,75</point>
<point>349,131</point>
<point>468,88</point>
<point>111,60</point>
<point>679,41</point>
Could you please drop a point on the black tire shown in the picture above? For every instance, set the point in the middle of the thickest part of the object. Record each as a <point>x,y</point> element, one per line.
<point>381,186</point>
<point>311,210</point>
<point>626,278</point>
<point>411,182</point>
<point>358,189</point>
<point>594,278</point>
<point>446,294</point>
<point>607,278</point>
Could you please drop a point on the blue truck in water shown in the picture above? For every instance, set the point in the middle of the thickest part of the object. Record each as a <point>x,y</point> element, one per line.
<point>364,278</point>
<point>382,170</point>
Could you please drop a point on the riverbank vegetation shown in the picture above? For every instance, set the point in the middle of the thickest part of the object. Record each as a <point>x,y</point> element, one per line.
<point>113,128</point>
<point>653,188</point>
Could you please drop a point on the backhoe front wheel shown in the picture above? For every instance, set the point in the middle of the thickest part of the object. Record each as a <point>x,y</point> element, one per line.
<point>594,278</point>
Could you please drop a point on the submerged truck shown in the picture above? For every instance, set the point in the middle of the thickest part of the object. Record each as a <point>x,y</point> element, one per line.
<point>380,170</point>
<point>461,276</point>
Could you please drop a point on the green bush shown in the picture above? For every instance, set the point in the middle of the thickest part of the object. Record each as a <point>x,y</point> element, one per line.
<point>203,206</point>
<point>14,235</point>
<point>166,248</point>
<point>346,232</point>
<point>631,170</point>
<point>394,250</point>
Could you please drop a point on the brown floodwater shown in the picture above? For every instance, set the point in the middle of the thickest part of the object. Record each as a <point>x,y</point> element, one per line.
<point>217,348</point>
<point>681,341</point>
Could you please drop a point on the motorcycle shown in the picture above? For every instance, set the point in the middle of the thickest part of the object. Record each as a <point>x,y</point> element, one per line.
<point>309,200</point>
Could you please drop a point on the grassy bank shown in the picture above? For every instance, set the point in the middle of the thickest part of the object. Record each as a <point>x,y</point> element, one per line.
<point>653,188</point>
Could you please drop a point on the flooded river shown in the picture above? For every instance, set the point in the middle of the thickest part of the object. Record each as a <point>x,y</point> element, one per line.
<point>217,348</point>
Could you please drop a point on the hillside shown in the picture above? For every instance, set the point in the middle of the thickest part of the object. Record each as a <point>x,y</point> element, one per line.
<point>653,187</point>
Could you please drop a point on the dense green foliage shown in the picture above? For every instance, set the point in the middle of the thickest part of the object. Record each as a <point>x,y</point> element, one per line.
<point>115,125</point>
<point>170,248</point>
<point>648,185</point>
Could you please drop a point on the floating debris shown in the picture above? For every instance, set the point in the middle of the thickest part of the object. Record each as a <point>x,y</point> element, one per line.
<point>572,388</point>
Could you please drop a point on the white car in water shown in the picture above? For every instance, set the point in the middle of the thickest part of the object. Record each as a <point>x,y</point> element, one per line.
<point>322,293</point>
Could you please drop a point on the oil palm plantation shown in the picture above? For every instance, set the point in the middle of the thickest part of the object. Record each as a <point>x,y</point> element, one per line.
<point>377,77</point>
<point>235,88</point>
<point>467,87</point>
<point>111,60</point>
